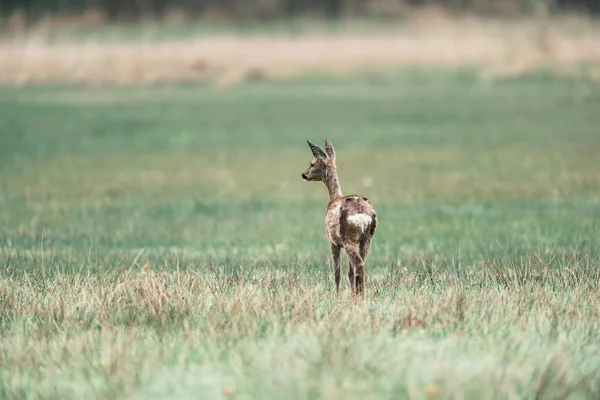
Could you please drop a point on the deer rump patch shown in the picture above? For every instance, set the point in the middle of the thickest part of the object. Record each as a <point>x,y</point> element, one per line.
<point>361,221</point>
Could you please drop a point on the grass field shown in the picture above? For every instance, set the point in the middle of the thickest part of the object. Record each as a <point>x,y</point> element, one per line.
<point>158,241</point>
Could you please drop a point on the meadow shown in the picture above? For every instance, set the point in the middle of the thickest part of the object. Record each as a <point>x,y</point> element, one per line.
<point>157,241</point>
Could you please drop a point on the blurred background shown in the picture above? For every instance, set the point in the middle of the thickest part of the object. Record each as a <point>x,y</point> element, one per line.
<point>113,10</point>
<point>111,41</point>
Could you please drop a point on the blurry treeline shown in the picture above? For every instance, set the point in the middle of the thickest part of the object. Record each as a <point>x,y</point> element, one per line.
<point>115,10</point>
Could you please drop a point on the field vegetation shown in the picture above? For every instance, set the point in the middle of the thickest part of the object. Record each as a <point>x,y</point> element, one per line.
<point>158,242</point>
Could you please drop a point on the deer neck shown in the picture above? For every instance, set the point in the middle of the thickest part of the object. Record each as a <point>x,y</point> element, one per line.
<point>333,184</point>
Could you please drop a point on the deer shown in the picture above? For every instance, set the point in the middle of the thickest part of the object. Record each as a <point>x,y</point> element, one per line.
<point>350,221</point>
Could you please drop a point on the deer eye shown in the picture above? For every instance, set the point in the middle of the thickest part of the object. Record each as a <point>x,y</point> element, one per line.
<point>311,165</point>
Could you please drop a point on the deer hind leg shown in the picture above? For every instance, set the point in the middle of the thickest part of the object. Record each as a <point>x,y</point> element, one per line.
<point>356,268</point>
<point>365,241</point>
<point>365,247</point>
<point>337,265</point>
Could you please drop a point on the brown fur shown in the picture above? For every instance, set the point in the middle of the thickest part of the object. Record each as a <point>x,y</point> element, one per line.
<point>350,221</point>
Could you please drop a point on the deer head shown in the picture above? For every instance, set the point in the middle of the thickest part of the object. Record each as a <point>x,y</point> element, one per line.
<point>322,164</point>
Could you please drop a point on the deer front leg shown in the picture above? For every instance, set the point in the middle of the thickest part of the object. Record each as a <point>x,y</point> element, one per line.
<point>356,269</point>
<point>337,265</point>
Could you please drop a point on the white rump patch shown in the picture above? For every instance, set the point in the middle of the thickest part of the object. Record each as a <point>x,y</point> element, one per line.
<point>360,220</point>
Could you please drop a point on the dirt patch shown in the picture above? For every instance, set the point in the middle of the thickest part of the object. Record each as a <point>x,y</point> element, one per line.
<point>497,48</point>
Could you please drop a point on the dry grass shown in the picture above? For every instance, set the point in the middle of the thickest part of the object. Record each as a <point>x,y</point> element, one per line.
<point>503,328</point>
<point>496,47</point>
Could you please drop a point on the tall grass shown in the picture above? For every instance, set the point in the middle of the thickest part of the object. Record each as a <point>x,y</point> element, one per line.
<point>505,327</point>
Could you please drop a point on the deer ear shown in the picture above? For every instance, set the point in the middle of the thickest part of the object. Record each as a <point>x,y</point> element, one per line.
<point>329,149</point>
<point>317,151</point>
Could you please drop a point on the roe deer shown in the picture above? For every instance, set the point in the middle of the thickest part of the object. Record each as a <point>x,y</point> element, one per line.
<point>350,221</point>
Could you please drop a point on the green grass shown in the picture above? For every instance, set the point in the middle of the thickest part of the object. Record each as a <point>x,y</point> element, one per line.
<point>483,281</point>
